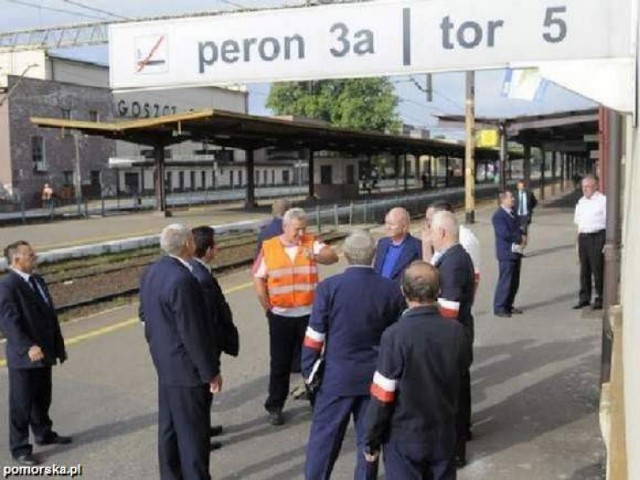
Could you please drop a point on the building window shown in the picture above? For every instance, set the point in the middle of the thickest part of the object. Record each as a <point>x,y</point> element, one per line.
<point>325,174</point>
<point>264,177</point>
<point>94,116</point>
<point>37,154</point>
<point>240,177</point>
<point>94,175</point>
<point>285,177</point>
<point>351,174</point>
<point>180,181</point>
<point>231,178</point>
<point>203,180</point>
<point>273,177</point>
<point>66,113</point>
<point>192,180</point>
<point>67,178</point>
<point>256,176</point>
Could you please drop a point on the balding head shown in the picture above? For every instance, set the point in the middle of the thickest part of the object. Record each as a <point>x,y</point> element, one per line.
<point>396,224</point>
<point>444,230</point>
<point>420,284</point>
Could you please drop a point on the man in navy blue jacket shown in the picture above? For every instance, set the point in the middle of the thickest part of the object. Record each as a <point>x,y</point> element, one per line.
<point>395,252</point>
<point>219,313</point>
<point>509,253</point>
<point>172,307</point>
<point>34,344</point>
<point>350,312</point>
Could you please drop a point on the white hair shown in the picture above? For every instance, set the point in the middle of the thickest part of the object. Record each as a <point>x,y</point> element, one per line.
<point>294,214</point>
<point>446,221</point>
<point>359,248</point>
<point>173,237</point>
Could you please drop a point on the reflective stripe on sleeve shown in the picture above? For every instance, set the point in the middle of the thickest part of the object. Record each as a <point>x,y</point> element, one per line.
<point>448,308</point>
<point>383,388</point>
<point>314,340</point>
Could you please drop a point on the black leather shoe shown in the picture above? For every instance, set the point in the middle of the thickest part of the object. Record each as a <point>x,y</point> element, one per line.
<point>597,306</point>
<point>580,305</point>
<point>215,431</point>
<point>503,314</point>
<point>28,460</point>
<point>216,445</point>
<point>516,311</point>
<point>276,418</point>
<point>54,439</point>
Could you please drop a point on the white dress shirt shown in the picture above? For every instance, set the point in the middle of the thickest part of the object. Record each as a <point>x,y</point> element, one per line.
<point>472,246</point>
<point>591,213</point>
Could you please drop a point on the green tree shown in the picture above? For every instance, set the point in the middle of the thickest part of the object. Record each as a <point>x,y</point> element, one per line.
<point>361,103</point>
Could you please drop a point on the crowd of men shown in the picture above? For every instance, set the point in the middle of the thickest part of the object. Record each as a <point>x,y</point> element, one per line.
<point>388,342</point>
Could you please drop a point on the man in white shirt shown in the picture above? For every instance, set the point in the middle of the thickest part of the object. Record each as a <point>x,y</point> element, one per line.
<point>591,219</point>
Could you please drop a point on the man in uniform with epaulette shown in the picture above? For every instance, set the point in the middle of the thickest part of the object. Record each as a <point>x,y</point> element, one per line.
<point>457,288</point>
<point>414,394</point>
<point>347,332</point>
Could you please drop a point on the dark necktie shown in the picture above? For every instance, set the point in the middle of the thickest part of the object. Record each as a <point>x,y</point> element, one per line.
<point>36,288</point>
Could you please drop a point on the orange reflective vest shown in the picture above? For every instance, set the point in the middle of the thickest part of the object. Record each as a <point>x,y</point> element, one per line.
<point>290,284</point>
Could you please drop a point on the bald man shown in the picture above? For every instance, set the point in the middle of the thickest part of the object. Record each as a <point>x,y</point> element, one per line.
<point>399,248</point>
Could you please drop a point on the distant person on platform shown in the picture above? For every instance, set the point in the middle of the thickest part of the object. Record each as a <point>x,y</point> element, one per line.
<point>466,238</point>
<point>509,248</point>
<point>274,227</point>
<point>182,346</point>
<point>424,180</point>
<point>47,196</point>
<point>34,344</point>
<point>525,202</point>
<point>285,276</point>
<point>223,330</point>
<point>591,220</point>
<point>415,389</point>
<point>354,329</point>
<point>399,248</point>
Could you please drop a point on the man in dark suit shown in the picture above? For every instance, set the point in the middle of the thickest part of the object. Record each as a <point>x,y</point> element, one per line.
<point>274,227</point>
<point>353,329</point>
<point>395,252</point>
<point>457,291</point>
<point>177,328</point>
<point>509,247</point>
<point>524,203</point>
<point>219,312</point>
<point>34,344</point>
<point>414,394</point>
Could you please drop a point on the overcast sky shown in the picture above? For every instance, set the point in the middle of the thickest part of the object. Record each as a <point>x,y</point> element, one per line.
<point>448,88</point>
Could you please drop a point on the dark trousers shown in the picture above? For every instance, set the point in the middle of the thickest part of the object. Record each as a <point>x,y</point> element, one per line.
<point>507,287</point>
<point>331,415</point>
<point>183,432</point>
<point>29,402</point>
<point>590,247</point>
<point>524,221</point>
<point>463,415</point>
<point>286,335</point>
<point>419,461</point>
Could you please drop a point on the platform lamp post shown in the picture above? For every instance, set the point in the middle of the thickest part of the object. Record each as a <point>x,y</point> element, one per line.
<point>78,171</point>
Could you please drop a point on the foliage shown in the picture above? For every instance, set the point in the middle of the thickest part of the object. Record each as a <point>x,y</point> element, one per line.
<point>361,103</point>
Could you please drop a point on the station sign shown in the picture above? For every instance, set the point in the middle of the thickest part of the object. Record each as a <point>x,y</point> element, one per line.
<point>365,39</point>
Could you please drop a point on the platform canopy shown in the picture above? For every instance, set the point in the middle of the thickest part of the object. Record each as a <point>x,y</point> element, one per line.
<point>250,132</point>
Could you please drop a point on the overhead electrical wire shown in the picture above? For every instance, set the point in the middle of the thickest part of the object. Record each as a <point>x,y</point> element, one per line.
<point>53,9</point>
<point>94,9</point>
